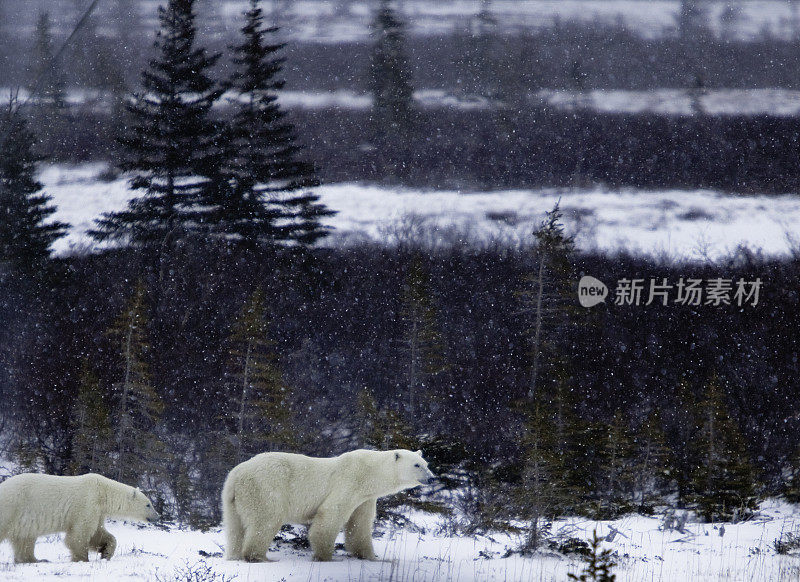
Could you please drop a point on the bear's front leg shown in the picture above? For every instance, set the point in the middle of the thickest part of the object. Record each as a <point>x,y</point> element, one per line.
<point>325,526</point>
<point>358,531</point>
<point>103,542</point>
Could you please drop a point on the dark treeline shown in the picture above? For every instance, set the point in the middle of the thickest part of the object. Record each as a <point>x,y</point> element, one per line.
<point>538,147</point>
<point>611,58</point>
<point>338,331</point>
<point>546,147</point>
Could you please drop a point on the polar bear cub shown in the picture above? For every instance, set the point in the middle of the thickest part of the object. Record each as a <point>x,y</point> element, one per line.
<point>272,489</point>
<point>33,504</point>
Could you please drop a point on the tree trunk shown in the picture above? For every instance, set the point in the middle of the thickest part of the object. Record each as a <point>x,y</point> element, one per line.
<point>537,330</point>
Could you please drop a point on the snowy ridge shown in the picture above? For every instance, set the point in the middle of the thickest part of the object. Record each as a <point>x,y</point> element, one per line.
<point>689,225</point>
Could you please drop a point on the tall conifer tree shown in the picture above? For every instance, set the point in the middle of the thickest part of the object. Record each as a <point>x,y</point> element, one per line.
<point>172,148</point>
<point>47,80</point>
<point>542,490</point>
<point>92,441</point>
<point>618,475</point>
<point>138,406</point>
<point>268,198</point>
<point>546,298</point>
<point>258,411</point>
<point>653,468</point>
<point>423,342</point>
<point>393,111</point>
<point>723,478</point>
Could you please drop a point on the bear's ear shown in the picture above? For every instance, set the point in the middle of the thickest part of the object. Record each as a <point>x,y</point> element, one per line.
<point>397,456</point>
<point>419,453</point>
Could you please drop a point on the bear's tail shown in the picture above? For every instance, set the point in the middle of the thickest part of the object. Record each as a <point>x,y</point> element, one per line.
<point>234,529</point>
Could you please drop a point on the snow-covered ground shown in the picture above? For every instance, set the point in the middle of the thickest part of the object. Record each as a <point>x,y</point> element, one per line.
<point>705,552</point>
<point>679,224</point>
<point>784,102</point>
<point>781,102</point>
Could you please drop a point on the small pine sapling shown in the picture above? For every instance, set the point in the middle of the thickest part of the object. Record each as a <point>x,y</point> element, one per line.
<point>599,564</point>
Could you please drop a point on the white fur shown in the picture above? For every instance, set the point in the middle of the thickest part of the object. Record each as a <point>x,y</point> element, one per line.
<point>272,489</point>
<point>33,504</point>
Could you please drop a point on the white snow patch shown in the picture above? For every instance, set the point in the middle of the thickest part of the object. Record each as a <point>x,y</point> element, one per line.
<point>680,224</point>
<point>667,101</point>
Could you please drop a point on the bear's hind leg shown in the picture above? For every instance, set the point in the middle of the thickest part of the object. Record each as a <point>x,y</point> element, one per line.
<point>257,539</point>
<point>23,550</point>
<point>358,531</point>
<point>234,535</point>
<point>103,542</point>
<point>77,540</point>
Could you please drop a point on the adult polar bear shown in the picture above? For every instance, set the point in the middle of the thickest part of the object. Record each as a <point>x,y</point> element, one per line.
<point>272,489</point>
<point>33,504</point>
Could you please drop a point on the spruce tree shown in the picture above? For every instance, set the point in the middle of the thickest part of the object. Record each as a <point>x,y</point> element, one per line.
<point>171,148</point>
<point>598,563</point>
<point>26,233</point>
<point>581,449</point>
<point>268,200</point>
<point>422,339</point>
<point>545,298</point>
<point>723,480</point>
<point>557,476</point>
<point>541,493</point>
<point>138,405</point>
<point>393,112</point>
<point>652,462</point>
<point>618,472</point>
<point>480,75</point>
<point>258,411</point>
<point>92,441</point>
<point>47,82</point>
<point>549,400</point>
<point>682,426</point>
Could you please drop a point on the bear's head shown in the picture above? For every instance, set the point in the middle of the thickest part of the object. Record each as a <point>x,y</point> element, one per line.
<point>412,469</point>
<point>140,508</point>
